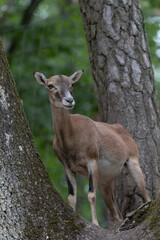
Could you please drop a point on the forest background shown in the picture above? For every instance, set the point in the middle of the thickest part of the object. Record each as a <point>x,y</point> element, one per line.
<point>48,36</point>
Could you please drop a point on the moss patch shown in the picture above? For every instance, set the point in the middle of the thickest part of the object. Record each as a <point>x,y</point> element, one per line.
<point>148,216</point>
<point>154,223</point>
<point>136,217</point>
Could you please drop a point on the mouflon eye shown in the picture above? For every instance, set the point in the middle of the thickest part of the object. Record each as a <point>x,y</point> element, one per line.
<point>51,86</point>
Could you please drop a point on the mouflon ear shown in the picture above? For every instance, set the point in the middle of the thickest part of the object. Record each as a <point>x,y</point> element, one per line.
<point>41,79</point>
<point>76,76</point>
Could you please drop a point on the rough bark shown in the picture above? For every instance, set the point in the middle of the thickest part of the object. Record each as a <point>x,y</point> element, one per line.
<point>124,81</point>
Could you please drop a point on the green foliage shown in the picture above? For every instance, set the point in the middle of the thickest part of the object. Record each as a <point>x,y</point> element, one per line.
<point>151,10</point>
<point>54,43</point>
<point>158,90</point>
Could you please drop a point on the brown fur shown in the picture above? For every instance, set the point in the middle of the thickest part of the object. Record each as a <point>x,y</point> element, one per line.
<point>90,148</point>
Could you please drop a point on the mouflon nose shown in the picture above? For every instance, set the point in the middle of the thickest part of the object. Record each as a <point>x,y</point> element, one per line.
<point>69,99</point>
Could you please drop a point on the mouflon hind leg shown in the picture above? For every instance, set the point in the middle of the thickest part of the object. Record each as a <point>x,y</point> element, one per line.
<point>107,193</point>
<point>134,168</point>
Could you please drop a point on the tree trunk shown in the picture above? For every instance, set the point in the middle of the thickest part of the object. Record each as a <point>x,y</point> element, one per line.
<point>124,81</point>
<point>30,208</point>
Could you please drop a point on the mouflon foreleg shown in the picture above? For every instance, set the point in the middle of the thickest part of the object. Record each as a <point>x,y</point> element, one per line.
<point>72,187</point>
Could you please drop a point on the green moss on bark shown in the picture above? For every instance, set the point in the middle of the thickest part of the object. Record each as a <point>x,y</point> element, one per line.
<point>151,216</point>
<point>154,223</point>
